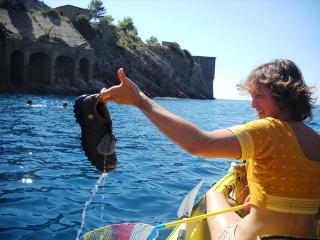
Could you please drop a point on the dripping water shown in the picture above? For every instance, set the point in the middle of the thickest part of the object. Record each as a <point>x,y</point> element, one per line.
<point>93,193</point>
<point>102,198</point>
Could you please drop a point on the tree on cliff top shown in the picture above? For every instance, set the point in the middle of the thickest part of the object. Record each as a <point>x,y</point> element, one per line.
<point>126,24</point>
<point>152,41</point>
<point>97,9</point>
<point>84,27</point>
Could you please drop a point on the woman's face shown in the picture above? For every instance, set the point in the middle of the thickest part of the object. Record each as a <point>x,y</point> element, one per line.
<point>264,103</point>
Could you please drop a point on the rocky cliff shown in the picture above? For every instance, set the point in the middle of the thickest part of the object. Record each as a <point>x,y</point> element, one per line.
<point>160,71</point>
<point>164,71</point>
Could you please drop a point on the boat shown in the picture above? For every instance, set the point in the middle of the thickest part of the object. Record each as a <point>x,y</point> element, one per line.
<point>233,186</point>
<point>199,230</point>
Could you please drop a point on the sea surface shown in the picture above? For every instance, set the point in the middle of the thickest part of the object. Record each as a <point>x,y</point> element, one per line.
<point>46,180</point>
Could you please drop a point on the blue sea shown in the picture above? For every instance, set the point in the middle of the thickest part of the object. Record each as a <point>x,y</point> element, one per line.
<point>46,180</point>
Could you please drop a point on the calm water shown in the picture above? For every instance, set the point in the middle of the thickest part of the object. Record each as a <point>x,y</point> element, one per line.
<point>46,179</point>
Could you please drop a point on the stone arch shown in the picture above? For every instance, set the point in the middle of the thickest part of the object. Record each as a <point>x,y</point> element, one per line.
<point>39,68</point>
<point>65,68</point>
<point>84,69</point>
<point>17,68</point>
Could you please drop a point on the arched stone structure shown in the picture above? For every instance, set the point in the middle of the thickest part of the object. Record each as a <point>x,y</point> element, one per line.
<point>36,52</point>
<point>17,68</point>
<point>39,68</point>
<point>64,70</point>
<point>84,69</point>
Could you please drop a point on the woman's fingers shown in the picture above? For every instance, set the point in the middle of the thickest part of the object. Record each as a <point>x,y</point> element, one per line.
<point>125,93</point>
<point>127,81</point>
<point>124,80</point>
<point>107,93</point>
<point>121,75</point>
<point>247,204</point>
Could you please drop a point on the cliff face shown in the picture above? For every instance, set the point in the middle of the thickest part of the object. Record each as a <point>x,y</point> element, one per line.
<point>160,71</point>
<point>34,27</point>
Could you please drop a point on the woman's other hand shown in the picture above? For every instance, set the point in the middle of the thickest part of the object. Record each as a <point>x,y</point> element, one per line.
<point>247,205</point>
<point>125,93</point>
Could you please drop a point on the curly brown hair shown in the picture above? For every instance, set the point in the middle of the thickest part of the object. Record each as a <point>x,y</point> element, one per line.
<point>285,81</point>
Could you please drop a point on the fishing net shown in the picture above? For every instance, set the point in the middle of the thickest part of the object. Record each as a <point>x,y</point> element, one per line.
<point>141,231</point>
<point>123,231</point>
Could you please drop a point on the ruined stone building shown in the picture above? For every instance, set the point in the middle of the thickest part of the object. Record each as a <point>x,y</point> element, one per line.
<point>72,12</point>
<point>40,50</point>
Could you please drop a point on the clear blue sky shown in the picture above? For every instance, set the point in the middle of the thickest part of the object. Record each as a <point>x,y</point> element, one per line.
<point>240,34</point>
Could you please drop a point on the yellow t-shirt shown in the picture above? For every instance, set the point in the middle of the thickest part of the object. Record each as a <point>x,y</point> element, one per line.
<point>280,177</point>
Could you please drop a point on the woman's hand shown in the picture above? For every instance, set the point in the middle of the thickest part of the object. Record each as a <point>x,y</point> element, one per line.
<point>125,93</point>
<point>247,204</point>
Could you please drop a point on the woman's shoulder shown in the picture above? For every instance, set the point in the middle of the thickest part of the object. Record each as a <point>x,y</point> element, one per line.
<point>264,127</point>
<point>264,122</point>
<point>267,128</point>
<point>268,122</point>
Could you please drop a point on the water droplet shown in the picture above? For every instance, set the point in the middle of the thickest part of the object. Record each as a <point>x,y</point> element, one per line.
<point>26,180</point>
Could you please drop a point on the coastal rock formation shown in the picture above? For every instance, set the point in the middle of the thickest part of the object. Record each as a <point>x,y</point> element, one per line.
<point>159,70</point>
<point>48,53</point>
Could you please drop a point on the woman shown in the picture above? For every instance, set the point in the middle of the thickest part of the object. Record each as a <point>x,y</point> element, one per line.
<point>282,153</point>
